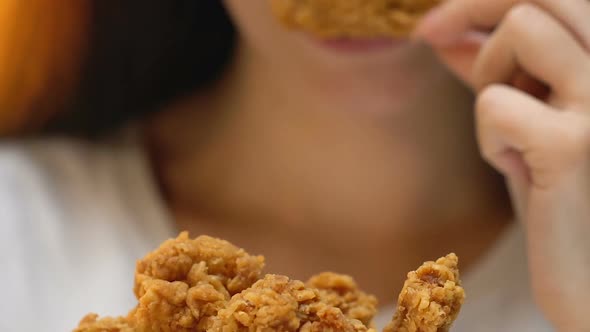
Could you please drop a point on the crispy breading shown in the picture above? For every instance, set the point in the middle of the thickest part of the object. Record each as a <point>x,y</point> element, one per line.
<point>277,303</point>
<point>184,283</point>
<point>352,18</point>
<point>210,285</point>
<point>431,298</point>
<point>91,323</point>
<point>341,291</point>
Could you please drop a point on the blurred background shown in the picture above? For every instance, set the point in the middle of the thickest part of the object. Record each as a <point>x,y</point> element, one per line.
<point>81,66</point>
<point>40,59</point>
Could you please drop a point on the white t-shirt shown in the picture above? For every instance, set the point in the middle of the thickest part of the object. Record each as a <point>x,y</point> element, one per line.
<point>74,218</point>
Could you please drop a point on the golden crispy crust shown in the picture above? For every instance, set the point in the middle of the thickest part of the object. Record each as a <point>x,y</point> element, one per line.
<point>341,291</point>
<point>182,284</point>
<point>207,284</point>
<point>276,303</point>
<point>352,18</point>
<point>431,298</point>
<point>91,323</point>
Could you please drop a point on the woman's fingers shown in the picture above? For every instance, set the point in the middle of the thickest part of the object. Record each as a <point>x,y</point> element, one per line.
<point>515,129</point>
<point>454,18</point>
<point>508,120</point>
<point>532,40</point>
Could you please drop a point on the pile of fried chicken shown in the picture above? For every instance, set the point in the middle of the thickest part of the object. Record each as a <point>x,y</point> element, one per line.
<point>209,285</point>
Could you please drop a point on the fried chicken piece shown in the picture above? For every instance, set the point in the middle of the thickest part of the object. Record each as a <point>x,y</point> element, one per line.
<point>277,303</point>
<point>352,18</point>
<point>91,323</point>
<point>201,260</point>
<point>431,298</point>
<point>341,291</point>
<point>183,284</point>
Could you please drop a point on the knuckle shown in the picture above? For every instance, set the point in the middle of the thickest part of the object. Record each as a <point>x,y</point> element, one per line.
<point>488,96</point>
<point>488,119</point>
<point>487,102</point>
<point>519,18</point>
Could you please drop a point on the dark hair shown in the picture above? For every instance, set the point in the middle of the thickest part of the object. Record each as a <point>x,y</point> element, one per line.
<point>142,54</point>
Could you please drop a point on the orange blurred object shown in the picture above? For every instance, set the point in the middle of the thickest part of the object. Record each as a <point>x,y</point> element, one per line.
<point>41,49</point>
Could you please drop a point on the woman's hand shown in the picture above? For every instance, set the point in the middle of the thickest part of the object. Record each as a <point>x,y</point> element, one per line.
<point>529,63</point>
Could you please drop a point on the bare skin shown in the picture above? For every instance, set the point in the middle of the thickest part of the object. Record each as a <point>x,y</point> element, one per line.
<point>363,193</point>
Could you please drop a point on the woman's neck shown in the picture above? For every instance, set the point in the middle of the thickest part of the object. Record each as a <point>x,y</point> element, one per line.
<point>267,158</point>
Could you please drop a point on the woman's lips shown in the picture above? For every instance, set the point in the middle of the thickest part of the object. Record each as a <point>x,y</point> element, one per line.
<point>354,45</point>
